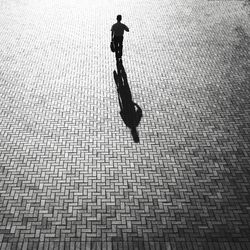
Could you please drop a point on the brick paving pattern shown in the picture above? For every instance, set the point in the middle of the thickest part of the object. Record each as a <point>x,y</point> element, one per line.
<point>71,176</point>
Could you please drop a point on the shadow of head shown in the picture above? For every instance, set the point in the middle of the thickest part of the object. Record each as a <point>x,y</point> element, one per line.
<point>135,135</point>
<point>131,115</point>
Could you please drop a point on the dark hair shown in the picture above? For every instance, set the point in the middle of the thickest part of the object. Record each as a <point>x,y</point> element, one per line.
<point>119,18</point>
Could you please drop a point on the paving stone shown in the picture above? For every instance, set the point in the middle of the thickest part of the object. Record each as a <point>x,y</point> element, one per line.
<point>71,176</point>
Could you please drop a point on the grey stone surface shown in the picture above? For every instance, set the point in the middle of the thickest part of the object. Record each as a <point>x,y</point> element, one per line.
<point>71,176</point>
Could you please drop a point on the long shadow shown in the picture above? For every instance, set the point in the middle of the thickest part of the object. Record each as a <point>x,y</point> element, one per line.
<point>131,113</point>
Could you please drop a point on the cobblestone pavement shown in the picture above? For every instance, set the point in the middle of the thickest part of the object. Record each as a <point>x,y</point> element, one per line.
<point>71,176</point>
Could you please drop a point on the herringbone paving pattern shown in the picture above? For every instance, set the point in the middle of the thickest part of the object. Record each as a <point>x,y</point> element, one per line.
<point>71,176</point>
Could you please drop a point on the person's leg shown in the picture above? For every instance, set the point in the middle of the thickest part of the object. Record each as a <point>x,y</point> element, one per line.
<point>118,47</point>
<point>121,45</point>
<point>116,42</point>
<point>119,51</point>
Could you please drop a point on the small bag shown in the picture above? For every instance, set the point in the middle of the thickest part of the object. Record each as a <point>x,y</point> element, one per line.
<point>112,46</point>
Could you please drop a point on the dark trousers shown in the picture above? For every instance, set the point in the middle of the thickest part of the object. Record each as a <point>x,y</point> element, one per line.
<point>118,46</point>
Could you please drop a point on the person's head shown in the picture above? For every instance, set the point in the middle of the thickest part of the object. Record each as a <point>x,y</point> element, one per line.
<point>119,18</point>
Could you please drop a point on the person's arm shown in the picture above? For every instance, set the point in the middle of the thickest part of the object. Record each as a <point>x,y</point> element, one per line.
<point>126,28</point>
<point>112,34</point>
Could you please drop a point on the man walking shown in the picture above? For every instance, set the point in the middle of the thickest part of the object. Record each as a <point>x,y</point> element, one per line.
<point>117,32</point>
